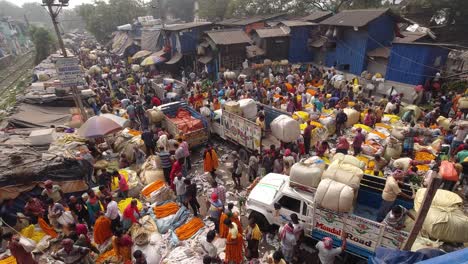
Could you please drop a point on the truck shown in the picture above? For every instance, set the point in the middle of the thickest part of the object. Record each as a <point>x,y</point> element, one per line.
<point>158,86</point>
<point>194,138</point>
<point>273,200</point>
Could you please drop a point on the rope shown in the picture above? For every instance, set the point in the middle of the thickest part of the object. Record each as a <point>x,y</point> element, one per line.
<point>18,233</point>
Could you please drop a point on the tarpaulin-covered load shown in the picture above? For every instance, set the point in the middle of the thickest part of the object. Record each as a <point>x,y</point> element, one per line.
<point>393,150</point>
<point>39,116</point>
<point>120,42</point>
<point>445,220</point>
<point>149,39</point>
<point>396,256</point>
<point>285,128</point>
<point>353,116</point>
<point>416,109</point>
<point>185,122</point>
<point>349,159</point>
<point>249,108</point>
<point>334,195</point>
<point>151,170</point>
<point>308,175</point>
<point>344,173</point>
<point>21,169</point>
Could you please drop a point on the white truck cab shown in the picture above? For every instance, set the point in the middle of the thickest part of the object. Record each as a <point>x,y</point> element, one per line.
<point>273,200</point>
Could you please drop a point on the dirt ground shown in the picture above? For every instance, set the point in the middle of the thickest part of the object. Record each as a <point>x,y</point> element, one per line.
<point>308,254</point>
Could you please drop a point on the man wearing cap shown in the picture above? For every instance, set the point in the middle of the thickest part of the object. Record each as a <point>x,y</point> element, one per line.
<point>215,210</point>
<point>52,191</point>
<point>326,252</point>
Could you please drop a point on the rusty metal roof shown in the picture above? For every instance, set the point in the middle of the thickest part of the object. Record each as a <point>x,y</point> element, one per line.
<point>317,16</point>
<point>382,52</point>
<point>228,36</point>
<point>297,23</point>
<point>178,27</point>
<point>410,37</point>
<point>271,32</point>
<point>248,20</point>
<point>354,18</point>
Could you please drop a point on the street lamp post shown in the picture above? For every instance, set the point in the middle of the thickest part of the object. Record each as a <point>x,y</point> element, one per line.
<point>57,5</point>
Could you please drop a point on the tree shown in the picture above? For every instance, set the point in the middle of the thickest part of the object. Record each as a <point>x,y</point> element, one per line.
<point>102,18</point>
<point>213,10</point>
<point>44,42</point>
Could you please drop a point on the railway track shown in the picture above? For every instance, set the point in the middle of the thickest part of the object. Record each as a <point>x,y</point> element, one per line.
<point>11,75</point>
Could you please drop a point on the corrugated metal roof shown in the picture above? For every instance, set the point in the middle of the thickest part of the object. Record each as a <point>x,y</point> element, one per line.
<point>178,27</point>
<point>271,32</point>
<point>382,52</point>
<point>228,37</point>
<point>297,23</point>
<point>410,37</point>
<point>247,21</point>
<point>354,18</point>
<point>317,16</point>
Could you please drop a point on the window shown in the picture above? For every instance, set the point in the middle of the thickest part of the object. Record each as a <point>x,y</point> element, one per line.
<point>290,204</point>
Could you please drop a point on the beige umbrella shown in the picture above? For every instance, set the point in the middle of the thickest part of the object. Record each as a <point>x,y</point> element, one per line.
<point>141,54</point>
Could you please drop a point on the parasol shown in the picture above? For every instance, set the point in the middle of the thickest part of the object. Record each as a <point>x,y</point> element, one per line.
<point>141,54</point>
<point>119,120</point>
<point>152,60</point>
<point>98,126</point>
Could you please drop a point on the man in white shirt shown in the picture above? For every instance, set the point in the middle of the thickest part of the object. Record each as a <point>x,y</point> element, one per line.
<point>112,212</point>
<point>208,246</point>
<point>390,107</point>
<point>180,187</point>
<point>327,253</point>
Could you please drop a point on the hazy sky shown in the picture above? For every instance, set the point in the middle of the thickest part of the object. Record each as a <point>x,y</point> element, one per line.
<point>72,3</point>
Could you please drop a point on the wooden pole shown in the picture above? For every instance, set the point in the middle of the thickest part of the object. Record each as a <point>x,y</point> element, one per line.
<point>434,184</point>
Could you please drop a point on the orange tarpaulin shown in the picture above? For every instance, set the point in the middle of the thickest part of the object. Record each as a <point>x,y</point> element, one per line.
<point>46,228</point>
<point>102,230</point>
<point>166,210</point>
<point>188,229</point>
<point>185,122</point>
<point>149,189</point>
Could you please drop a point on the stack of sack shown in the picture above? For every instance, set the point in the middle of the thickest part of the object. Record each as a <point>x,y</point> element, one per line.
<point>445,220</point>
<point>340,183</point>
<point>285,128</point>
<point>233,107</point>
<point>353,116</point>
<point>307,173</point>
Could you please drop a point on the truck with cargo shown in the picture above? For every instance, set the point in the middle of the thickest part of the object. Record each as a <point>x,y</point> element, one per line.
<point>274,199</point>
<point>194,127</point>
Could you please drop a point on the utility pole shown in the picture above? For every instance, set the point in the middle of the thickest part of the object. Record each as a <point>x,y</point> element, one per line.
<point>57,5</point>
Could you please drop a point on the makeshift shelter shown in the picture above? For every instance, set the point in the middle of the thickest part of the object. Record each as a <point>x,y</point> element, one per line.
<point>149,39</point>
<point>39,116</point>
<point>23,168</point>
<point>274,42</point>
<point>317,16</point>
<point>299,32</point>
<point>250,23</point>
<point>230,45</point>
<point>120,42</point>
<point>356,32</point>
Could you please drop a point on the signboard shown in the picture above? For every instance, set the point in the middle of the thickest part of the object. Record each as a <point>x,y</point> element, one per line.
<point>242,131</point>
<point>69,72</point>
<point>393,238</point>
<point>362,233</point>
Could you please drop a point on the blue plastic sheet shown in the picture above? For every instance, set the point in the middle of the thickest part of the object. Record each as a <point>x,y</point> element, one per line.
<point>395,256</point>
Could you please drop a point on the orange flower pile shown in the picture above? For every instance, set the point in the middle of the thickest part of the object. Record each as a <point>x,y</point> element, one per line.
<point>189,229</point>
<point>152,187</point>
<point>166,210</point>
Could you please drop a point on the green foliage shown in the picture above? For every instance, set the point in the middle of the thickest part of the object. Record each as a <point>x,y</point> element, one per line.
<point>102,18</point>
<point>44,42</point>
<point>213,9</point>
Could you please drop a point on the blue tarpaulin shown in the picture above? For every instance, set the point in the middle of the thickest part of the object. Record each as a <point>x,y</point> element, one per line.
<point>396,256</point>
<point>456,257</point>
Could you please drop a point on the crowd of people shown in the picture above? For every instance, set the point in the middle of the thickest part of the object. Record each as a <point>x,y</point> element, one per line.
<point>124,91</point>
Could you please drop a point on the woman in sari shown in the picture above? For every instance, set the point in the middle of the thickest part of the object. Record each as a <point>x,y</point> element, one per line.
<point>234,244</point>
<point>234,217</point>
<point>122,245</point>
<point>93,206</point>
<point>131,215</point>
<point>210,161</point>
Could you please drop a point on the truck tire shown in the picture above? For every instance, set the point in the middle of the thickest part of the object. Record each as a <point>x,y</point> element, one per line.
<point>261,221</point>
<point>244,156</point>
